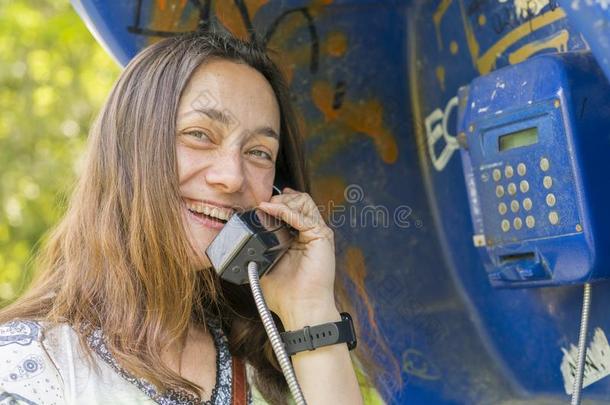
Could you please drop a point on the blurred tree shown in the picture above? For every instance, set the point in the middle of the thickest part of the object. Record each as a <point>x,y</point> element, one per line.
<point>53,79</point>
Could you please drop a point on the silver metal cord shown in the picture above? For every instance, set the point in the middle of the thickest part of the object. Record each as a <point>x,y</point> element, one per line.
<point>582,345</point>
<point>274,336</point>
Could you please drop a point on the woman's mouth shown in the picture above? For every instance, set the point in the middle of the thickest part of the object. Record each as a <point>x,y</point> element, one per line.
<point>208,215</point>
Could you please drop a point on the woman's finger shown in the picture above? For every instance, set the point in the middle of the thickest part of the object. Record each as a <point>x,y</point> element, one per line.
<point>292,217</point>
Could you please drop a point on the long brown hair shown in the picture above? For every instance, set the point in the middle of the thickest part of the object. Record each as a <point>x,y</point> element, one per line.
<point>120,259</point>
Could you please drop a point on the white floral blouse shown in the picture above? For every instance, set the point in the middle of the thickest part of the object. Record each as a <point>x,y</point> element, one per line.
<point>43,364</point>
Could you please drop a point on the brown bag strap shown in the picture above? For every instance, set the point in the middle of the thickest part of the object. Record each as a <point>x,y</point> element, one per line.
<point>240,383</point>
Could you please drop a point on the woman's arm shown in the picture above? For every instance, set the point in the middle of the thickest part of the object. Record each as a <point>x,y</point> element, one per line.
<point>300,290</point>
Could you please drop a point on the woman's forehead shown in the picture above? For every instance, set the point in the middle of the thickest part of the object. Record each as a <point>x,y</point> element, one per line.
<point>235,89</point>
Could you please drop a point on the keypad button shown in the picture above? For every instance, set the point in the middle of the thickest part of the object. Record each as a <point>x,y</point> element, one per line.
<point>514,205</point>
<point>505,225</point>
<point>512,188</point>
<point>524,186</point>
<point>553,217</point>
<point>517,223</point>
<point>530,221</point>
<point>547,182</point>
<point>499,191</point>
<point>496,174</point>
<point>527,204</point>
<point>502,208</point>
<point>550,200</point>
<point>544,164</point>
<point>508,171</point>
<point>521,169</point>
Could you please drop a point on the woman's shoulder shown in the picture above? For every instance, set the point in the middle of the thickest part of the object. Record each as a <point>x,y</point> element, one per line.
<point>28,374</point>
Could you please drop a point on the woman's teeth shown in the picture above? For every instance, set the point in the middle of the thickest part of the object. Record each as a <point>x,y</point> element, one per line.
<point>222,214</point>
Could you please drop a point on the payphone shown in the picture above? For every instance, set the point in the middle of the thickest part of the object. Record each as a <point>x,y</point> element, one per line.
<point>535,150</point>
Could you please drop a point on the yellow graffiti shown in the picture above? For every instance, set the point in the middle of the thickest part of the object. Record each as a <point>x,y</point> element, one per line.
<point>558,42</point>
<point>329,188</point>
<point>440,76</point>
<point>486,62</point>
<point>229,15</point>
<point>335,44</point>
<point>453,47</point>
<point>364,117</point>
<point>166,17</point>
<point>437,17</point>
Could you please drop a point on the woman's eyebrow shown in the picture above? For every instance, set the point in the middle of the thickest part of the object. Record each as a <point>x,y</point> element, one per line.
<point>266,131</point>
<point>214,114</point>
<point>227,120</point>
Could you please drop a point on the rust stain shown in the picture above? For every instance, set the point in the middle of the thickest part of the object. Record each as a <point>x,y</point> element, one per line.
<point>228,14</point>
<point>327,189</point>
<point>166,16</point>
<point>363,116</point>
<point>356,270</point>
<point>336,44</point>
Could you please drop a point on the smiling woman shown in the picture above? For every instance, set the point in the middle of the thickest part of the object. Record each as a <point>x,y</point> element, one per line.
<point>196,128</point>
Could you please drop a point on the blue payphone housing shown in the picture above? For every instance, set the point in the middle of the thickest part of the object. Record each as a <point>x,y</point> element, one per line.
<point>533,146</point>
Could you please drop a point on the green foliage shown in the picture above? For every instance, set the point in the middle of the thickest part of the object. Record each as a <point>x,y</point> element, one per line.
<point>53,79</point>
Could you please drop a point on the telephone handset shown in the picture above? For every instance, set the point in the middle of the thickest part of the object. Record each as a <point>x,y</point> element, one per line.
<point>249,236</point>
<point>247,247</point>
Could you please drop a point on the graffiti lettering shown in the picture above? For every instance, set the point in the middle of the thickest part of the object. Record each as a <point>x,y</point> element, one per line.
<point>436,129</point>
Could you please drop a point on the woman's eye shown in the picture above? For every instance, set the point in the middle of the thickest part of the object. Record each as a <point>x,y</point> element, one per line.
<point>198,134</point>
<point>261,154</point>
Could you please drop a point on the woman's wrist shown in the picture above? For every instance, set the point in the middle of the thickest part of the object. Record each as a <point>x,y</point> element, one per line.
<point>309,315</point>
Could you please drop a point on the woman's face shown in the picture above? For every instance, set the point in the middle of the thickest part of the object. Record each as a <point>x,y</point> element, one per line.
<point>227,143</point>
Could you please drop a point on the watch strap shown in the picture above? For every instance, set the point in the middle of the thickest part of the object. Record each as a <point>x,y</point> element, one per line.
<point>312,337</point>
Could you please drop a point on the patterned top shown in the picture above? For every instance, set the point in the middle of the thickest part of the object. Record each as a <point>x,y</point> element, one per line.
<point>43,364</point>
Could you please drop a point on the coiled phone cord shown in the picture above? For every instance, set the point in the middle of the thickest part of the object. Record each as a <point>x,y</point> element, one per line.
<point>274,336</point>
<point>582,345</point>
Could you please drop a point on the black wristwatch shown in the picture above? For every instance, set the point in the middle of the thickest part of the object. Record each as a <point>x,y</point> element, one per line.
<point>312,337</point>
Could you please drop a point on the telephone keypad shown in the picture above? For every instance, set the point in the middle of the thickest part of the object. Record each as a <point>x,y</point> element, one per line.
<point>523,186</point>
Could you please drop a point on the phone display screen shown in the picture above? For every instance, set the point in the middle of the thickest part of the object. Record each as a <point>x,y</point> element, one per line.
<point>518,139</point>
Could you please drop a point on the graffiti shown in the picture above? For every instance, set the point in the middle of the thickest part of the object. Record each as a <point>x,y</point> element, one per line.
<point>436,129</point>
<point>523,12</point>
<point>415,363</point>
<point>166,18</point>
<point>558,41</point>
<point>597,361</point>
<point>524,18</point>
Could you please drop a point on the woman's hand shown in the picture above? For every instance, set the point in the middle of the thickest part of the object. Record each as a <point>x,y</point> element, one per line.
<point>300,287</point>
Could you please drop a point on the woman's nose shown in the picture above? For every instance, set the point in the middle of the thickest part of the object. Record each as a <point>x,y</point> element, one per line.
<point>227,172</point>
